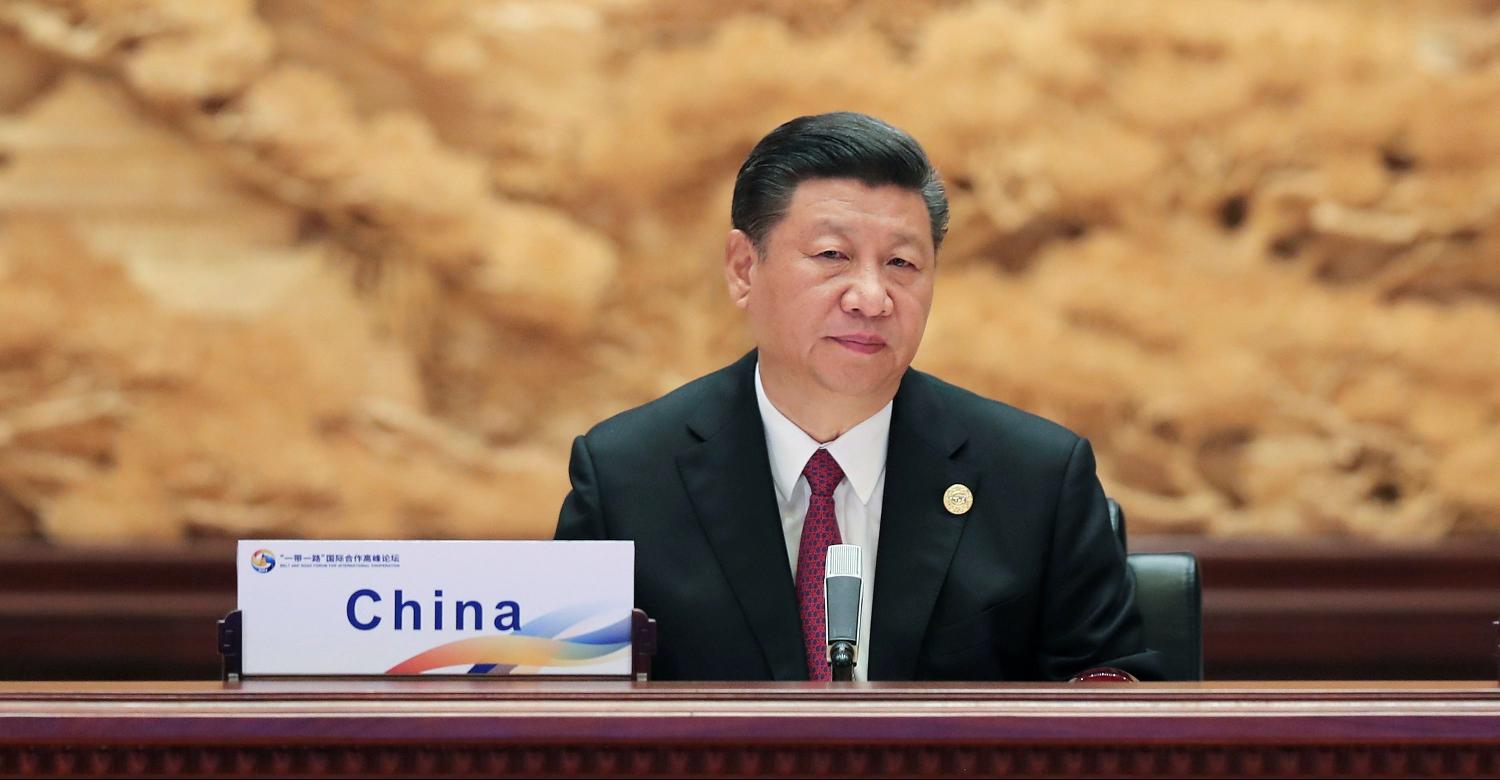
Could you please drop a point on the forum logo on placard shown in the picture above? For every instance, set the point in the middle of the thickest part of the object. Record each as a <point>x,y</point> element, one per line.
<point>262,560</point>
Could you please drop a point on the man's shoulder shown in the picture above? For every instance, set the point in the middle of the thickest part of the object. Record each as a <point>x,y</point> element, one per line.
<point>665,420</point>
<point>985,419</point>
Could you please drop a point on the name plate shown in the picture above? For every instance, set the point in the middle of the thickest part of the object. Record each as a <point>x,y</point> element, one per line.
<point>326,607</point>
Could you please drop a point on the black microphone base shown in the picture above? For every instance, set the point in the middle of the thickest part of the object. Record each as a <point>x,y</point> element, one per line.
<point>841,660</point>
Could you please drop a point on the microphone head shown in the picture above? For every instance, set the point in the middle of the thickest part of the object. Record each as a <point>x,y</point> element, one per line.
<point>843,561</point>
<point>841,593</point>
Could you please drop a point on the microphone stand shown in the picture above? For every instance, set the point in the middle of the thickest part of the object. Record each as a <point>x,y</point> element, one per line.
<point>841,660</point>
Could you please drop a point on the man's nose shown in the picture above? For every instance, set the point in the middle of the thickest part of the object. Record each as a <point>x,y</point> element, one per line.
<point>866,294</point>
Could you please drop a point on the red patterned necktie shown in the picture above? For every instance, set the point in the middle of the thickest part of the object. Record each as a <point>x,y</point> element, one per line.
<point>819,530</point>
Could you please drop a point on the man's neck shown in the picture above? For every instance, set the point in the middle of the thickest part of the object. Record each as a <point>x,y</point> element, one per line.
<point>823,415</point>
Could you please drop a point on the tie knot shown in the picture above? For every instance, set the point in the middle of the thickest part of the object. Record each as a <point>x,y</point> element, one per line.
<point>823,473</point>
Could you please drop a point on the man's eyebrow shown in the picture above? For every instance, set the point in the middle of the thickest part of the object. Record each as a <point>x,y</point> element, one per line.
<point>833,226</point>
<point>904,237</point>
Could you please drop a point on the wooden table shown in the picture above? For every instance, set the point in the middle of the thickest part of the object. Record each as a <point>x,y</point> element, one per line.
<point>1308,609</point>
<point>450,727</point>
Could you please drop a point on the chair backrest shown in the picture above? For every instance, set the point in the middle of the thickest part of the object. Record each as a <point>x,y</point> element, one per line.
<point>1170,600</point>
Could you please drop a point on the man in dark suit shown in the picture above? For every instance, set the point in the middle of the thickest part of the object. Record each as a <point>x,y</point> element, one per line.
<point>985,527</point>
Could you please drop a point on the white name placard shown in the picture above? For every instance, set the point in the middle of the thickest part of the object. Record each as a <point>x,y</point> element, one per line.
<point>327,607</point>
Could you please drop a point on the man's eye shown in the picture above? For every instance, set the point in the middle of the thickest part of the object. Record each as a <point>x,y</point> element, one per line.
<point>831,254</point>
<point>901,262</point>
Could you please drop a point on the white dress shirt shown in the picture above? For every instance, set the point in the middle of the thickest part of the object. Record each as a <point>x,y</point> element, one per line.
<point>857,500</point>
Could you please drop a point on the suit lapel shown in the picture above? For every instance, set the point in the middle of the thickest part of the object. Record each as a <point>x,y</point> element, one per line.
<point>728,479</point>
<point>917,535</point>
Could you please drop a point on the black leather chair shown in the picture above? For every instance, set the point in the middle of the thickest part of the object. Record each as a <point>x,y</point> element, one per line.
<point>1170,599</point>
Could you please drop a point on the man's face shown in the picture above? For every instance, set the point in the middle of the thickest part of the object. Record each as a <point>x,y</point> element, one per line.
<point>840,299</point>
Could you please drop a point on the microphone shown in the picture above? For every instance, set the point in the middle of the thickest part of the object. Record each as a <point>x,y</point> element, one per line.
<point>841,599</point>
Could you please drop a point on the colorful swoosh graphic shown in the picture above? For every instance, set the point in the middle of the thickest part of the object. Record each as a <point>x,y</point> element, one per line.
<point>534,645</point>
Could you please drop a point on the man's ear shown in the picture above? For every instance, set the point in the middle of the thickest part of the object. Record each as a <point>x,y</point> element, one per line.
<point>739,263</point>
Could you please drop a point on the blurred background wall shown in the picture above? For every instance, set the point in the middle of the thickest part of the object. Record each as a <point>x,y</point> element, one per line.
<point>363,268</point>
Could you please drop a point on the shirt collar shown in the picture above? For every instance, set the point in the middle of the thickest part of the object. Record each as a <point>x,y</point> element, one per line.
<point>860,452</point>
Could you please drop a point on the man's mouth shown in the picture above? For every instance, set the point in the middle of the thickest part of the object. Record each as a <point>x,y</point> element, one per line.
<point>863,343</point>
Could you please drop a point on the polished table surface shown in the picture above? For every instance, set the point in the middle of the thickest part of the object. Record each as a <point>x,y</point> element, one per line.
<point>562,727</point>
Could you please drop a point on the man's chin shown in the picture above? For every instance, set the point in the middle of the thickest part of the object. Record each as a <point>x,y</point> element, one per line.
<point>861,382</point>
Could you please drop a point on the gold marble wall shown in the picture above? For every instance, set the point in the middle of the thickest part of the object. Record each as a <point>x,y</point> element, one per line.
<point>364,267</point>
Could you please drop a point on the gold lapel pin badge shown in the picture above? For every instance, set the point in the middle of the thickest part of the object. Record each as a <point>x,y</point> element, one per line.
<point>958,499</point>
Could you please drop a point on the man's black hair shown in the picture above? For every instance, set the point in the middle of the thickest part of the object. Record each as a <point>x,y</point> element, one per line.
<point>840,145</point>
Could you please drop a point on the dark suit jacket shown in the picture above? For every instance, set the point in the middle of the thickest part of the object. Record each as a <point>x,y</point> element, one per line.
<point>1031,584</point>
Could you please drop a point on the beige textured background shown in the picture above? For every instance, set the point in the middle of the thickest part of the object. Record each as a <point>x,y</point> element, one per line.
<point>354,269</point>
